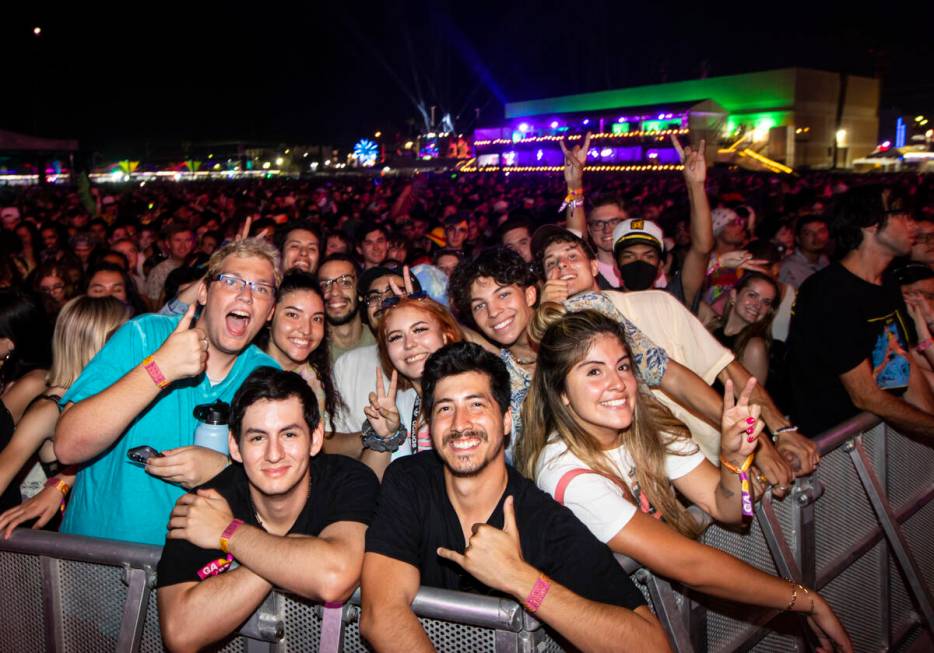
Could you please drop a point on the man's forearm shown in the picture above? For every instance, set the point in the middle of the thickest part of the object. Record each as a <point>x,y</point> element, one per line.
<point>899,414</point>
<point>592,626</point>
<point>308,566</point>
<point>391,629</point>
<point>83,433</point>
<point>194,615</point>
<point>689,390</point>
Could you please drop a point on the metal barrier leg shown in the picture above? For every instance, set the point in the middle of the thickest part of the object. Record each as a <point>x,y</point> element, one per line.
<point>134,609</point>
<point>507,641</point>
<point>669,613</point>
<point>896,539</point>
<point>265,628</point>
<point>332,628</point>
<point>52,603</point>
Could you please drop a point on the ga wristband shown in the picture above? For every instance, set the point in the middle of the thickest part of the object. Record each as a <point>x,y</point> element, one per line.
<point>228,533</point>
<point>149,364</point>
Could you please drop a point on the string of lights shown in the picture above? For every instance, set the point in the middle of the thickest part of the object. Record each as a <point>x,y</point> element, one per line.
<point>593,137</point>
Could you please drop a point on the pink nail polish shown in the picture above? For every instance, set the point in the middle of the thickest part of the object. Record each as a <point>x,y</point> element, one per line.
<point>750,420</point>
<point>752,439</point>
<point>750,430</point>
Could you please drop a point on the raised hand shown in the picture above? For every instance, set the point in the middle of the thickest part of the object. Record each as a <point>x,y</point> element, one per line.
<point>407,286</point>
<point>185,351</point>
<point>494,556</point>
<point>574,162</point>
<point>695,166</point>
<point>382,412</point>
<point>200,518</point>
<point>743,260</point>
<point>554,290</point>
<point>740,425</point>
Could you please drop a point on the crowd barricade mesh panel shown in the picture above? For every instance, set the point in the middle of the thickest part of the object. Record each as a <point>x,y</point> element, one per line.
<point>722,627</point>
<point>856,598</point>
<point>151,641</point>
<point>353,643</point>
<point>302,625</point>
<point>458,638</point>
<point>919,531</point>
<point>92,605</point>
<point>23,618</point>
<point>911,468</point>
<point>843,515</point>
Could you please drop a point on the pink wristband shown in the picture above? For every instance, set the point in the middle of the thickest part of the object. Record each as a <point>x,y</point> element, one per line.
<point>925,344</point>
<point>534,600</point>
<point>149,364</point>
<point>228,533</point>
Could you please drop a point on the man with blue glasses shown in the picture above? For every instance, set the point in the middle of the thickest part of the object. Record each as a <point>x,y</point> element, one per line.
<point>142,389</point>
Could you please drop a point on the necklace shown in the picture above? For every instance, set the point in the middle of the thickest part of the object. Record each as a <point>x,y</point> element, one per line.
<point>524,361</point>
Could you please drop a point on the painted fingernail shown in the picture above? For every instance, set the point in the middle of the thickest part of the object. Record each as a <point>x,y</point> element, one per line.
<point>750,430</point>
<point>750,420</point>
<point>751,439</point>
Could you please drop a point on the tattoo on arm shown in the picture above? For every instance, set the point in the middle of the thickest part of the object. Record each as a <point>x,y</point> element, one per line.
<point>725,491</point>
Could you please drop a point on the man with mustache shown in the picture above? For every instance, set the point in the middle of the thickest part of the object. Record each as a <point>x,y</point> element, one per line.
<point>460,518</point>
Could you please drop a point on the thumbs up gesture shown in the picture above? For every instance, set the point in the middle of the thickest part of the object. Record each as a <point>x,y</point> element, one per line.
<point>185,351</point>
<point>494,556</point>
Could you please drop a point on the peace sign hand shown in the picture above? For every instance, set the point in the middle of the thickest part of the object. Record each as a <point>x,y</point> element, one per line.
<point>695,166</point>
<point>382,412</point>
<point>740,425</point>
<point>574,162</point>
<point>407,286</point>
<point>494,556</point>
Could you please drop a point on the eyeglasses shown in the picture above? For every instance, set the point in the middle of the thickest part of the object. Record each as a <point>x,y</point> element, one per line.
<point>389,302</point>
<point>376,296</point>
<point>259,288</point>
<point>604,225</point>
<point>345,281</point>
<point>48,290</point>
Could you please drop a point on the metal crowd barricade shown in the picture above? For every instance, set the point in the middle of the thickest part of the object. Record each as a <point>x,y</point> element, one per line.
<point>859,529</point>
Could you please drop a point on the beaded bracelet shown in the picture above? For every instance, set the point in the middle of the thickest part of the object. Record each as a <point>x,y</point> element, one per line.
<point>743,472</point>
<point>925,344</point>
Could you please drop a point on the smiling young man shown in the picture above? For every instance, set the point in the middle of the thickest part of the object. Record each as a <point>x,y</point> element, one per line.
<point>460,518</point>
<point>286,516</point>
<point>338,277</point>
<point>143,386</point>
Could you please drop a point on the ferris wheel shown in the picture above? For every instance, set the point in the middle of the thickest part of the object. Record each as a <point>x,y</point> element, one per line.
<point>366,152</point>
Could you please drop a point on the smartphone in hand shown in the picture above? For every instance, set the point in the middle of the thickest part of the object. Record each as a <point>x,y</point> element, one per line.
<point>141,455</point>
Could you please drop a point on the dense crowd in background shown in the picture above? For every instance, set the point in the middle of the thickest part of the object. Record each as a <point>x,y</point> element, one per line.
<point>629,344</point>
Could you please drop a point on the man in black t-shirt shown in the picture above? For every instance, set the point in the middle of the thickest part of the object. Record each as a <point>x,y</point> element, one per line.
<point>287,516</point>
<point>460,518</point>
<point>850,332</point>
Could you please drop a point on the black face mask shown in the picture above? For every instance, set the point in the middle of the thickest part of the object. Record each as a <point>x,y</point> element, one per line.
<point>638,275</point>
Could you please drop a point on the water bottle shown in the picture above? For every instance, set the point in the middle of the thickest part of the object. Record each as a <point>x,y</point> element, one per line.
<point>212,426</point>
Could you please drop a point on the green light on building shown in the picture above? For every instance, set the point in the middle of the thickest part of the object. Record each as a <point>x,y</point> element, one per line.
<point>619,128</point>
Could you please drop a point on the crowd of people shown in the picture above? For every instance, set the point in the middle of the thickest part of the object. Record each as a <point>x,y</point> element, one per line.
<point>449,381</point>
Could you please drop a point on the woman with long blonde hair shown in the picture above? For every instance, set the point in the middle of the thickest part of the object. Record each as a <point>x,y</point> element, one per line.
<point>597,441</point>
<point>83,326</point>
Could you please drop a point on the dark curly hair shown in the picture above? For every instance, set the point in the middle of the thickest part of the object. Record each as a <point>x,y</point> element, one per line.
<point>502,265</point>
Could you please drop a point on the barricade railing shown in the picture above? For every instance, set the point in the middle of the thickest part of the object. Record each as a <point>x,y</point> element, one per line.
<point>859,529</point>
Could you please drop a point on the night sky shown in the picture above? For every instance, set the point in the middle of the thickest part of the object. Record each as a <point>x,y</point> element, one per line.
<point>330,73</point>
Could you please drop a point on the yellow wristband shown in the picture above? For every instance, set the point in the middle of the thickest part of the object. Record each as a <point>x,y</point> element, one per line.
<point>742,468</point>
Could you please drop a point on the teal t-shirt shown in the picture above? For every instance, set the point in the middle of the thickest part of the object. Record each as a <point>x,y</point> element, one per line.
<point>113,497</point>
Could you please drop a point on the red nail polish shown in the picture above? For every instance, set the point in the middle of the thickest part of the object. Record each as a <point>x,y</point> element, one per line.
<point>750,430</point>
<point>750,420</point>
<point>752,439</point>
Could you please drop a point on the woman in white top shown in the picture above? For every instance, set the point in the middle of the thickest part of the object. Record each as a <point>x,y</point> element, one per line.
<point>598,441</point>
<point>411,329</point>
